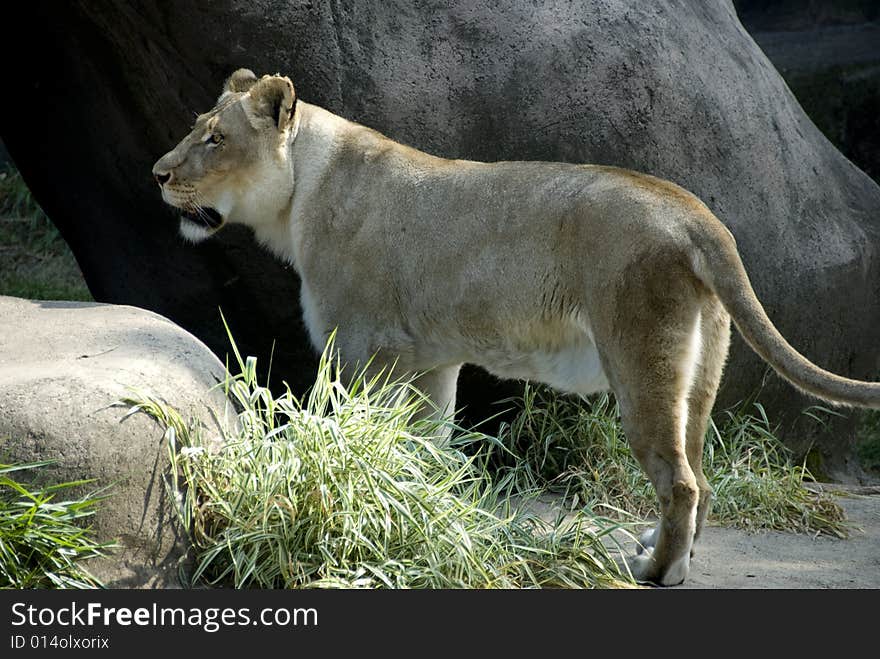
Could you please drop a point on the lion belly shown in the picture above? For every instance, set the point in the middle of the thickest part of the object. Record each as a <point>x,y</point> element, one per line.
<point>573,366</point>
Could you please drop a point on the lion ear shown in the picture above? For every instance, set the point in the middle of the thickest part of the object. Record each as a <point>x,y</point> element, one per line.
<point>240,81</point>
<point>273,97</point>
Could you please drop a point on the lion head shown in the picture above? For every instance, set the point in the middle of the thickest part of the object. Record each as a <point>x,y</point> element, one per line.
<point>234,166</point>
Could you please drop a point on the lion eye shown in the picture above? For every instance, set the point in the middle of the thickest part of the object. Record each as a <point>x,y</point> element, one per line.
<point>214,138</point>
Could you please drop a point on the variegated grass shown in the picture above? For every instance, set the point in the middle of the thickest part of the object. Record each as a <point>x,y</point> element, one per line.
<point>347,488</point>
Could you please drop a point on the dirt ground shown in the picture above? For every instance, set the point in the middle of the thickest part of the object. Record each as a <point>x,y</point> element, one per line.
<point>730,558</point>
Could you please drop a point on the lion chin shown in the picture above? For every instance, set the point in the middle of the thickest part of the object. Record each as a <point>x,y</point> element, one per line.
<point>200,224</point>
<point>195,232</point>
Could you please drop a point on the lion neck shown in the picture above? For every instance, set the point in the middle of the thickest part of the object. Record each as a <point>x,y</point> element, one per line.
<point>318,140</point>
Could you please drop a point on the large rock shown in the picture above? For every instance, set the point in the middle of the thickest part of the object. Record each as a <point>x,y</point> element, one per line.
<point>829,54</point>
<point>63,368</point>
<point>675,89</point>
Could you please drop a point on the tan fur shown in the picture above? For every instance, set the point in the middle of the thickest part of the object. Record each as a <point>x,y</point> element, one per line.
<point>583,277</point>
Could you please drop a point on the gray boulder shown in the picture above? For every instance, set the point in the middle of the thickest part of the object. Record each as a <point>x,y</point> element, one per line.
<point>829,54</point>
<point>678,90</point>
<point>63,368</point>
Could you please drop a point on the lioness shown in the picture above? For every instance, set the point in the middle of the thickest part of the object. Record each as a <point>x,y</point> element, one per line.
<point>583,277</point>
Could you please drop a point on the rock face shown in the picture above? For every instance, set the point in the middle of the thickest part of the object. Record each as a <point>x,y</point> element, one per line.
<point>829,54</point>
<point>63,366</point>
<point>678,90</point>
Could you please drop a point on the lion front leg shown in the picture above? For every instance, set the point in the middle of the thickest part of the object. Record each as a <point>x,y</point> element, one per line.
<point>438,386</point>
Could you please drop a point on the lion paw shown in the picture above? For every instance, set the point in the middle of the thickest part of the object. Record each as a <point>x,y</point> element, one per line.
<point>644,569</point>
<point>642,566</point>
<point>648,539</point>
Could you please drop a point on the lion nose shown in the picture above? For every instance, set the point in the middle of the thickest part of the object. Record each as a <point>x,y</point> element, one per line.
<point>162,169</point>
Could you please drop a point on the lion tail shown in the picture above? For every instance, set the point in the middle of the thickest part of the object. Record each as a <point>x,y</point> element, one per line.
<point>718,265</point>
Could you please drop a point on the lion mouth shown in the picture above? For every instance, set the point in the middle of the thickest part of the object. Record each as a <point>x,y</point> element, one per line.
<point>203,216</point>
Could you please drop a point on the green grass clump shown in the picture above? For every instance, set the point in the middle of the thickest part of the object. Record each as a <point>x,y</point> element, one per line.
<point>43,539</point>
<point>35,262</point>
<point>756,484</point>
<point>16,199</point>
<point>347,489</point>
<point>579,448</point>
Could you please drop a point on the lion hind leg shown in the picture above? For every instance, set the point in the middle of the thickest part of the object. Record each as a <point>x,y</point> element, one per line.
<point>655,414</point>
<point>715,343</point>
<point>666,560</point>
